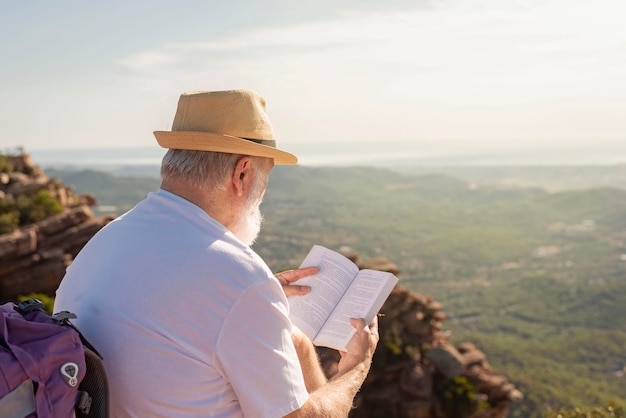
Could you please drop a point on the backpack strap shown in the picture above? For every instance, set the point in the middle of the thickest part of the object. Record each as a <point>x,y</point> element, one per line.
<point>63,318</point>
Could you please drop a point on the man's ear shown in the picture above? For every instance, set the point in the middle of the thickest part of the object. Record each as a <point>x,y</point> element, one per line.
<point>242,173</point>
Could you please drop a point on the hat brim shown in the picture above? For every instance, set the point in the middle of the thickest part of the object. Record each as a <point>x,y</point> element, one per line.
<point>205,141</point>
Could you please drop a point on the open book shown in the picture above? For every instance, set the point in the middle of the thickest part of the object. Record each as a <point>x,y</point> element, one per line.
<point>339,291</point>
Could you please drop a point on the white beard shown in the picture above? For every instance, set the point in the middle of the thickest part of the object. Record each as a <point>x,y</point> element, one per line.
<point>248,225</point>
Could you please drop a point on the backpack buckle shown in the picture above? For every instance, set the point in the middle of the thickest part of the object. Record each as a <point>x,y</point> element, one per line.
<point>29,305</point>
<point>63,317</point>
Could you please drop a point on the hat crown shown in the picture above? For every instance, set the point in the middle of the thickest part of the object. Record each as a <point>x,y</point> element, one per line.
<point>229,121</point>
<point>239,113</point>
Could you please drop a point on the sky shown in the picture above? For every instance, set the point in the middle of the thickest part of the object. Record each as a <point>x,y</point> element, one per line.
<point>393,76</point>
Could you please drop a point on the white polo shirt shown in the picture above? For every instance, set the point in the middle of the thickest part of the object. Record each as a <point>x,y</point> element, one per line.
<point>190,321</point>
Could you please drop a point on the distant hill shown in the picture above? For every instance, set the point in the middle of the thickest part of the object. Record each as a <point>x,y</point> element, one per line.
<point>114,194</point>
<point>552,178</point>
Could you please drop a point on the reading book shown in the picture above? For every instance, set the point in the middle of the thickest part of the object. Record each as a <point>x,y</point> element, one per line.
<point>339,291</point>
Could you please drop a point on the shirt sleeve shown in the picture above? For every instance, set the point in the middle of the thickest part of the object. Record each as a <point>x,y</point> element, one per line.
<point>257,355</point>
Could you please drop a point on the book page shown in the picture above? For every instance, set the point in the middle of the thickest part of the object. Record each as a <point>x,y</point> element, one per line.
<point>336,272</point>
<point>363,299</point>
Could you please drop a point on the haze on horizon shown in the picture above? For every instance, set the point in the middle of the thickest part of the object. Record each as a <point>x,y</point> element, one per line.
<point>448,76</point>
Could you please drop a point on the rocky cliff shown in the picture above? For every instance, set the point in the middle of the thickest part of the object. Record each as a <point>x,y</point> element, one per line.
<point>34,256</point>
<point>416,373</point>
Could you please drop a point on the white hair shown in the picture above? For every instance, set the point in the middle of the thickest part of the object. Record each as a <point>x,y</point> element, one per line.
<point>205,169</point>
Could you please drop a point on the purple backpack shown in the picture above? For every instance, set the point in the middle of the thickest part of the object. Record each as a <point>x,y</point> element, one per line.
<point>43,361</point>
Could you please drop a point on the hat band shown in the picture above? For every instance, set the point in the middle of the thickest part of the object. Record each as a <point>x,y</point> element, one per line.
<point>267,142</point>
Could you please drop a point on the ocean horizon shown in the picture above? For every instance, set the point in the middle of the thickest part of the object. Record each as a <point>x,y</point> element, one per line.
<point>369,154</point>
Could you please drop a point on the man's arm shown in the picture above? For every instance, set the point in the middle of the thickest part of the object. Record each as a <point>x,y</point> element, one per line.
<point>334,398</point>
<point>314,377</point>
<point>330,399</point>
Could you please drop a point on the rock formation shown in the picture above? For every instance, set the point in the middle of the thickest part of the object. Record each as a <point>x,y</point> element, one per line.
<point>416,372</point>
<point>33,258</point>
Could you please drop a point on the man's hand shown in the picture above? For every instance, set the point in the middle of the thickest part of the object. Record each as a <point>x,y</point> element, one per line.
<point>334,399</point>
<point>361,346</point>
<point>287,278</point>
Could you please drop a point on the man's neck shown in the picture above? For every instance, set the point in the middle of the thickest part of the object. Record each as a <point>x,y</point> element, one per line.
<point>217,203</point>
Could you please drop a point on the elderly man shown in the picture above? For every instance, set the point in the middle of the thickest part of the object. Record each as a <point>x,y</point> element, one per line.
<point>189,319</point>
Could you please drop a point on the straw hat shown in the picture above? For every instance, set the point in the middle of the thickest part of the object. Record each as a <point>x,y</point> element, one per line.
<point>232,121</point>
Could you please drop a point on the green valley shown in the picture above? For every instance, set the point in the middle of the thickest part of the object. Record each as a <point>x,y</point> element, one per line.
<point>536,279</point>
